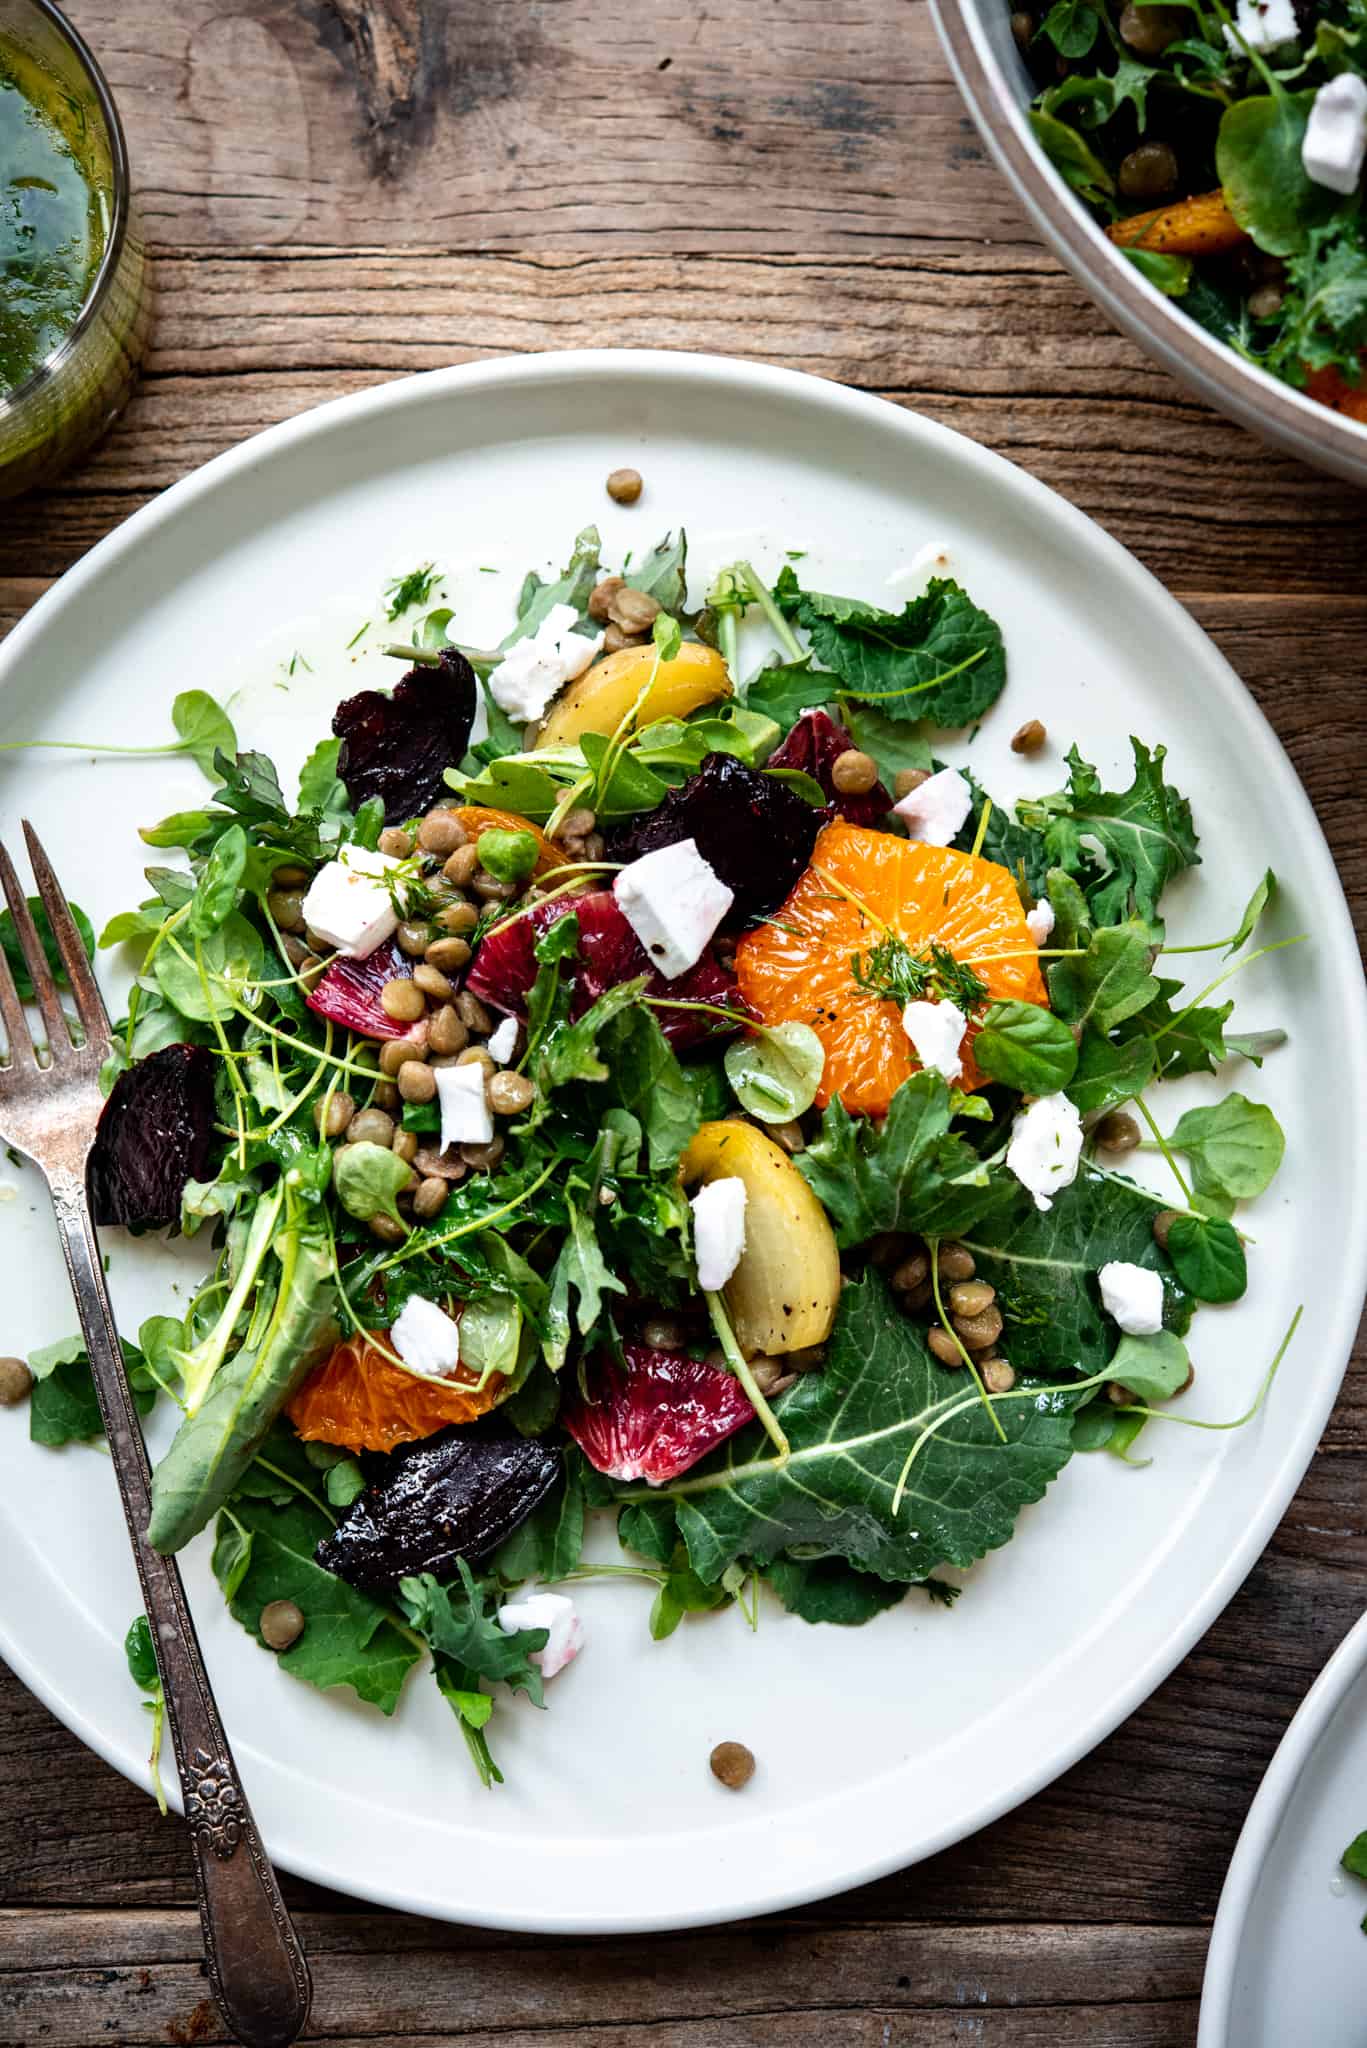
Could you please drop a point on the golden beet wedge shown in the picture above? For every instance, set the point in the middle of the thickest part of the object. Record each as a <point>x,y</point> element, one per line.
<point>601,698</point>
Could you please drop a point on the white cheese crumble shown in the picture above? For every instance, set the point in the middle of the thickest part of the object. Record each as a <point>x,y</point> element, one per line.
<point>531,672</point>
<point>502,1042</point>
<point>936,1031</point>
<point>1134,1296</point>
<point>673,900</point>
<point>555,1613</point>
<point>1040,920</point>
<point>936,810</point>
<point>1335,141</point>
<point>718,1230</point>
<point>466,1118</point>
<point>1263,24</point>
<point>1046,1145</point>
<point>425,1336</point>
<point>932,560</point>
<point>349,904</point>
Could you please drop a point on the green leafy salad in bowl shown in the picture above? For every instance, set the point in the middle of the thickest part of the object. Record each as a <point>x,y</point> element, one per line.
<point>614,1084</point>
<point>1224,150</point>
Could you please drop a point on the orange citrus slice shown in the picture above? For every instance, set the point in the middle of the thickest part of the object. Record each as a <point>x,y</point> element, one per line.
<point>861,887</point>
<point>359,1397</point>
<point>477,818</point>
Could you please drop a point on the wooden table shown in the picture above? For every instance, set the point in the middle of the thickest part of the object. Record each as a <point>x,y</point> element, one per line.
<point>340,191</point>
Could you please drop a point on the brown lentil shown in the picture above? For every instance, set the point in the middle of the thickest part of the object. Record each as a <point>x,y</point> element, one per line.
<point>441,832</point>
<point>980,1332</point>
<point>943,1347</point>
<point>1023,29</point>
<point>316,942</point>
<point>432,982</point>
<point>624,486</point>
<point>601,596</point>
<point>385,1096</point>
<point>281,1623</point>
<point>578,824</point>
<point>913,1272</point>
<point>290,877</point>
<point>1266,302</point>
<point>1149,30</point>
<point>810,1359</point>
<point>395,841</point>
<point>395,1051</point>
<point>854,772</point>
<point>334,1117</point>
<point>472,1013</point>
<point>386,1229</point>
<point>635,611</point>
<point>446,955</point>
<point>659,1333</point>
<point>445,1033</point>
<point>732,1765</point>
<point>1191,1375</point>
<point>484,1158</point>
<point>370,1127</point>
<point>771,1375</point>
<point>971,1297</point>
<point>461,865</point>
<point>491,890</point>
<point>509,1093</point>
<point>614,639</point>
<point>286,906</point>
<point>997,1375</point>
<point>917,1298</point>
<point>404,1145</point>
<point>295,951</point>
<point>312,970</point>
<point>414,939</point>
<point>1162,1224</point>
<point>458,917</point>
<point>594,846</point>
<point>403,1000</point>
<point>907,779</point>
<point>789,1136</point>
<point>16,1381</point>
<point>432,1164</point>
<point>477,1056</point>
<point>1118,1132</point>
<point>1028,738</point>
<point>429,1197</point>
<point>1120,1397</point>
<point>417,1082</point>
<point>954,1262</point>
<point>1148,172</point>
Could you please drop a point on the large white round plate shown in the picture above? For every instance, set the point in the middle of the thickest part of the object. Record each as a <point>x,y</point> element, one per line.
<point>879,1745</point>
<point>1288,1955</point>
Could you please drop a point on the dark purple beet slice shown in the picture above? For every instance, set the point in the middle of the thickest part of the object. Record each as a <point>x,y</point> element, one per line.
<point>609,952</point>
<point>349,993</point>
<point>155,1133</point>
<point>396,746</point>
<point>755,830</point>
<point>814,745</point>
<point>454,1495</point>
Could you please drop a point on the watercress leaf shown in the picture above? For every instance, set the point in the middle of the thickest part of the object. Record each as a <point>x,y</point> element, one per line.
<point>1044,1264</point>
<point>1109,982</point>
<point>1209,1257</point>
<point>508,784</point>
<point>1170,275</point>
<point>1234,1147</point>
<point>908,1173</point>
<point>182,828</point>
<point>940,658</point>
<point>1153,1367</point>
<point>1026,1047</point>
<point>320,786</point>
<point>828,1589</point>
<point>368,824</point>
<point>1071,26</point>
<point>14,952</point>
<point>893,743</point>
<point>646,1078</point>
<point>1075,161</point>
<point>455,1622</point>
<point>368,1178</point>
<point>216,894</point>
<point>1108,1074</point>
<point>630,785</point>
<point>232,1554</point>
<point>1123,846</point>
<point>344,1483</point>
<point>1195,1042</point>
<point>203,978</point>
<point>851,1427</point>
<point>1354,1857</point>
<point>1254,1045</point>
<point>142,1656</point>
<point>250,786</point>
<point>44,1359</point>
<point>63,1406</point>
<point>204,727</point>
<point>775,1074</point>
<point>667,634</point>
<point>783,690</point>
<point>127,925</point>
<point>1258,158</point>
<point>204,1201</point>
<point>1257,903</point>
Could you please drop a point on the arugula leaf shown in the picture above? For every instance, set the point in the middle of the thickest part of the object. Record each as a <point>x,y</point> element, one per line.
<point>1026,1047</point>
<point>549,1543</point>
<point>851,1428</point>
<point>460,1628</point>
<point>1208,1257</point>
<point>581,1267</point>
<point>1354,1857</point>
<point>662,572</point>
<point>14,952</point>
<point>1234,1147</point>
<point>320,787</point>
<point>828,1589</point>
<point>1323,323</point>
<point>1124,847</point>
<point>204,728</point>
<point>570,1052</point>
<point>1257,903</point>
<point>940,658</point>
<point>1044,1264</point>
<point>1170,275</point>
<point>1008,842</point>
<point>574,586</point>
<point>907,1174</point>
<point>645,1078</point>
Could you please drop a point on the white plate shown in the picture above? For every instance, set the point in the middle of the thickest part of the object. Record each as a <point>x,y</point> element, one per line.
<point>878,1745</point>
<point>1288,1957</point>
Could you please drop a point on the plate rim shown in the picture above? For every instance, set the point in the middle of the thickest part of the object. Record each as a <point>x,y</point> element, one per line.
<point>919,434</point>
<point>1271,1801</point>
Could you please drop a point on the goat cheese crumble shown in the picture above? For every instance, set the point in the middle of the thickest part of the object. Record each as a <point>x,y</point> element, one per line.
<point>1045,1147</point>
<point>1133,1295</point>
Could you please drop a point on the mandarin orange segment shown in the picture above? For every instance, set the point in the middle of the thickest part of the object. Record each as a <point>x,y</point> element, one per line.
<point>359,1398</point>
<point>862,886</point>
<point>477,818</point>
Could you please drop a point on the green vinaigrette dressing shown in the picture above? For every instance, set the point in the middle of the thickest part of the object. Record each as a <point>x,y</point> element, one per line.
<point>53,216</point>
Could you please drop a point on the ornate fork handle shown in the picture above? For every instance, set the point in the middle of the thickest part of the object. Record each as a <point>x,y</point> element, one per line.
<point>256,1968</point>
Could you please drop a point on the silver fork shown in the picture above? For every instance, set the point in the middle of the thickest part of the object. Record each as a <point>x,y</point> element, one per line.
<point>256,1967</point>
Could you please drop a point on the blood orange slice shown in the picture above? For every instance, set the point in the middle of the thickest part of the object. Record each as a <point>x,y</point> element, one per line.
<point>359,1398</point>
<point>861,887</point>
<point>655,1416</point>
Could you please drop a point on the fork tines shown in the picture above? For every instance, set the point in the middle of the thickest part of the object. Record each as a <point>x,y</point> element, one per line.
<point>76,967</point>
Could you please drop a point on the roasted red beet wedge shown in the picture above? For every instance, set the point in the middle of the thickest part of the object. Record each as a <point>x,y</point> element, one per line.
<point>656,1418</point>
<point>609,952</point>
<point>814,745</point>
<point>155,1133</point>
<point>349,993</point>
<point>397,745</point>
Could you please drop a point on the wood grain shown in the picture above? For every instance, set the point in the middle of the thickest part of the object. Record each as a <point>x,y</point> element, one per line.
<point>340,192</point>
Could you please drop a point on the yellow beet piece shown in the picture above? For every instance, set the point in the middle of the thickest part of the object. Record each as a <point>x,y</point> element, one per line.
<point>1200,226</point>
<point>783,1294</point>
<point>600,699</point>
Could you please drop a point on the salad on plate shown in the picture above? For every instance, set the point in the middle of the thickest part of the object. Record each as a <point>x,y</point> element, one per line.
<point>615,1083</point>
<point>1223,148</point>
